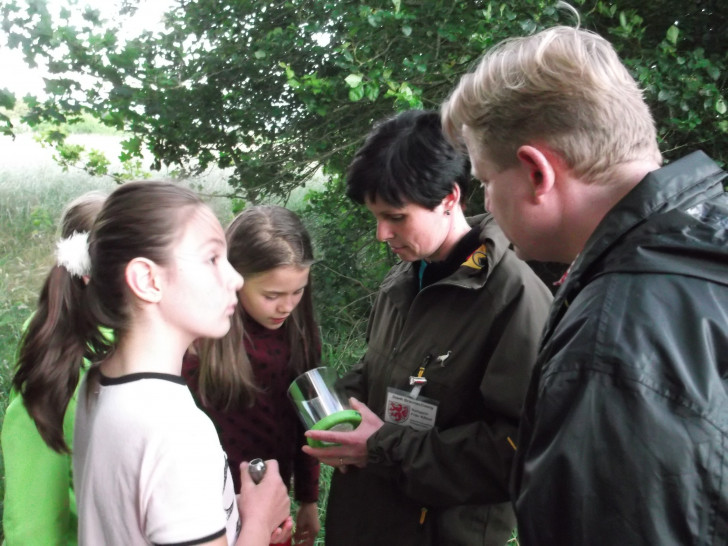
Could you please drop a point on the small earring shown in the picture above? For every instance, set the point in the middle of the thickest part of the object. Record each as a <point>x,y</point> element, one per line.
<point>447,213</point>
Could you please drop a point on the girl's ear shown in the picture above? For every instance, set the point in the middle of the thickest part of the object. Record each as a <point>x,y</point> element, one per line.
<point>540,170</point>
<point>143,278</point>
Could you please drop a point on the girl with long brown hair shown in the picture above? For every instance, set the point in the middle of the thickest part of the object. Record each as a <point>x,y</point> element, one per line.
<point>35,451</point>
<point>147,464</point>
<point>273,338</point>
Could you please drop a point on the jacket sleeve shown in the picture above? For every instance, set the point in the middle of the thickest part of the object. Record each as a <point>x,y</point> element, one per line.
<point>354,382</point>
<point>470,463</point>
<point>37,507</point>
<point>625,439</point>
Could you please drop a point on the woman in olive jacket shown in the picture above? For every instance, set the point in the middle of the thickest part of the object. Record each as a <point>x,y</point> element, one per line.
<point>452,339</point>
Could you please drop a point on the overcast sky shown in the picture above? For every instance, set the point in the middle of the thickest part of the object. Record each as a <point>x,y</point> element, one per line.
<point>16,76</point>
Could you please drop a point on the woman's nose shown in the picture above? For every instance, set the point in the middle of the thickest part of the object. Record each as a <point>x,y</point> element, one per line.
<point>383,231</point>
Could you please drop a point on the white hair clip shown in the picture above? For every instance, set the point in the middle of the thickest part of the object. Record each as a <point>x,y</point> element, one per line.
<point>72,254</point>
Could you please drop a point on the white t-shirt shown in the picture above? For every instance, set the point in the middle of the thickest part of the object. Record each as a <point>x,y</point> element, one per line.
<point>148,466</point>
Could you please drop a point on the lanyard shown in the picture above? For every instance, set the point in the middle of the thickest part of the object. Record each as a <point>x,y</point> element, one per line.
<point>418,381</point>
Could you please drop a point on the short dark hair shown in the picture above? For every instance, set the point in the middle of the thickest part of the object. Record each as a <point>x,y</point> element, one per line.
<point>407,159</point>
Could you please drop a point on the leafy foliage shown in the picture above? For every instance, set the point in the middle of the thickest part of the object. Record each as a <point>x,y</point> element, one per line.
<point>350,265</point>
<point>274,90</point>
<point>676,50</point>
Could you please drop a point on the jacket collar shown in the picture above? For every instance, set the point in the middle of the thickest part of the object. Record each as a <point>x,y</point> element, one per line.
<point>678,186</point>
<point>399,284</point>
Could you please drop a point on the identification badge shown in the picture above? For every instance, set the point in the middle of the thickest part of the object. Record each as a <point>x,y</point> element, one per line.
<point>417,413</point>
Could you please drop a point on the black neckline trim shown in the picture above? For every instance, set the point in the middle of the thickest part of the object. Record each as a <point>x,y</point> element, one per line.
<point>109,381</point>
<point>199,540</point>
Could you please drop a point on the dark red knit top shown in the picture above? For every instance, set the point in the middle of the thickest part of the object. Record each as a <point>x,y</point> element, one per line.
<point>270,429</point>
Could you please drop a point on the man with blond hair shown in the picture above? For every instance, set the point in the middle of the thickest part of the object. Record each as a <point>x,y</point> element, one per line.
<point>624,437</point>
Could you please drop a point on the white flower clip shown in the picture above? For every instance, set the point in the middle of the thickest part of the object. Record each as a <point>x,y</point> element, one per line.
<point>72,253</point>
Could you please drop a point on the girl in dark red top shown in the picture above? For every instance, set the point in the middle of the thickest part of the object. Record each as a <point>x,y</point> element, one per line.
<point>275,324</point>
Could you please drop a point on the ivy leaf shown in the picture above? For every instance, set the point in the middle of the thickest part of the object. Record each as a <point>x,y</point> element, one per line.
<point>407,30</point>
<point>672,33</point>
<point>356,93</point>
<point>55,136</point>
<point>372,91</point>
<point>664,95</point>
<point>7,99</point>
<point>6,126</point>
<point>720,106</point>
<point>97,163</point>
<point>353,80</point>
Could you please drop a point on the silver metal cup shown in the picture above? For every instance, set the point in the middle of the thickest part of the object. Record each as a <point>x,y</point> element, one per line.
<point>315,395</point>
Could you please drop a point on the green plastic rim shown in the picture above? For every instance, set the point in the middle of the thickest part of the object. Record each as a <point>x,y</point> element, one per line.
<point>344,420</point>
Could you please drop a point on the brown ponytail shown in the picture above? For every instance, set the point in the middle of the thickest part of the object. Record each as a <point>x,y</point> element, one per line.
<point>53,345</point>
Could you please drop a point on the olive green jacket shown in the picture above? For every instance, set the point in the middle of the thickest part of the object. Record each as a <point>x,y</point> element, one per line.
<point>447,485</point>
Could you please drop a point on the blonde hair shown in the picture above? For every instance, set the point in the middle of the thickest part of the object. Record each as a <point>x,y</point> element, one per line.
<point>563,87</point>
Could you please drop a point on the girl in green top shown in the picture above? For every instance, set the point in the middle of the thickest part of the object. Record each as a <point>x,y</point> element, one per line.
<point>40,507</point>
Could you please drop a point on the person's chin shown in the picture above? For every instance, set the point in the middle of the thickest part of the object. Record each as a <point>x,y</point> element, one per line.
<point>405,255</point>
<point>535,255</point>
<point>520,253</point>
<point>274,324</point>
<point>219,332</point>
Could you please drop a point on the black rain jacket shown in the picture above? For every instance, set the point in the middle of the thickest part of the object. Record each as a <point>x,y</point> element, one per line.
<point>624,439</point>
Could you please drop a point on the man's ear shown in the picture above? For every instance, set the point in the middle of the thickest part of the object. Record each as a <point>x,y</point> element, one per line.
<point>143,278</point>
<point>540,169</point>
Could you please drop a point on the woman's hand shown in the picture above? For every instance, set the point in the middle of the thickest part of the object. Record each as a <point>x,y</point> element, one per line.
<point>352,448</point>
<point>265,508</point>
<point>307,524</point>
